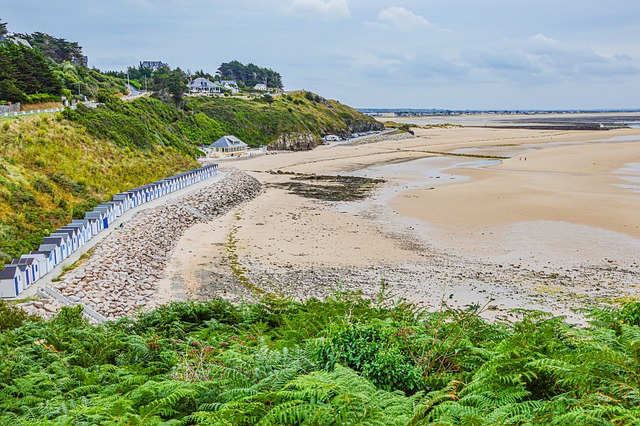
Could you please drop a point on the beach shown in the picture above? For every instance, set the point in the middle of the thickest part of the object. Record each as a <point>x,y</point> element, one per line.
<point>467,216</point>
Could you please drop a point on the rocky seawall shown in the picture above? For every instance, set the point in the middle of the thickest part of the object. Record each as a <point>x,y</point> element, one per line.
<point>122,273</point>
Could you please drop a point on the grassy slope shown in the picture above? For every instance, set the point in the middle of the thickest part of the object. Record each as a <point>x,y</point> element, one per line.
<point>51,168</point>
<point>258,123</point>
<point>54,168</point>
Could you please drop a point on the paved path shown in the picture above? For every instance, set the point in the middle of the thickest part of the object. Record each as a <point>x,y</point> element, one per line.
<point>128,215</point>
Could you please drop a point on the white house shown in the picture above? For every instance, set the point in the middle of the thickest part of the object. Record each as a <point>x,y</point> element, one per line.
<point>260,86</point>
<point>11,281</point>
<point>202,85</point>
<point>231,85</point>
<point>226,145</point>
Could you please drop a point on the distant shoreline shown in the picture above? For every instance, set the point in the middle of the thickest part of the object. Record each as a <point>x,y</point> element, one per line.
<point>540,121</point>
<point>417,112</point>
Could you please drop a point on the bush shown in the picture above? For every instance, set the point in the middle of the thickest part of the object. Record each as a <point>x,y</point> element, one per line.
<point>37,98</point>
<point>12,317</point>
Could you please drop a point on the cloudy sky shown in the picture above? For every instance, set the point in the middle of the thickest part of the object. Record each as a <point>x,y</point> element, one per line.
<point>456,54</point>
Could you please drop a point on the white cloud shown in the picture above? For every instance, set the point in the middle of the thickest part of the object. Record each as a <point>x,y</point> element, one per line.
<point>543,58</point>
<point>320,9</point>
<point>374,64</point>
<point>398,17</point>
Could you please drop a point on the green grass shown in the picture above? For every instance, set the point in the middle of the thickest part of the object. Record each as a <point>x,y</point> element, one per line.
<point>53,170</point>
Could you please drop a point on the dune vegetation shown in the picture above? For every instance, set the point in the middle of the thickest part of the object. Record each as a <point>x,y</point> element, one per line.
<point>52,170</point>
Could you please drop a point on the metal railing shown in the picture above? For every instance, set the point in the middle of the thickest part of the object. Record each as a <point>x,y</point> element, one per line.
<point>87,312</point>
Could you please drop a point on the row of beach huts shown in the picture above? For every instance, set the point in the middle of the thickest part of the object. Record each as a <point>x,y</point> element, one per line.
<point>29,268</point>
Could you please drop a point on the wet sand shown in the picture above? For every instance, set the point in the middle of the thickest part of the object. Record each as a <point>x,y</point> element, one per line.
<point>556,231</point>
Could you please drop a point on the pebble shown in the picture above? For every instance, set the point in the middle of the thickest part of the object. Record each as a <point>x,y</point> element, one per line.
<point>122,273</point>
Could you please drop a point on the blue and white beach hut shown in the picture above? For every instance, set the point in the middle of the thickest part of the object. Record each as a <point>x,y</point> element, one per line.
<point>42,263</point>
<point>11,284</point>
<point>59,243</point>
<point>49,255</point>
<point>67,243</point>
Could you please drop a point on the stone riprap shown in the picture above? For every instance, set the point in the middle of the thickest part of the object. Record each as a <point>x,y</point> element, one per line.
<point>122,272</point>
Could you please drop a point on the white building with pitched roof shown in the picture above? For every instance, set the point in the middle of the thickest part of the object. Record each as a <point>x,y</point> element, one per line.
<point>204,86</point>
<point>226,145</point>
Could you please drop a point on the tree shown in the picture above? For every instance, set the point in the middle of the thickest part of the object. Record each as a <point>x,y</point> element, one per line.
<point>25,71</point>
<point>250,75</point>
<point>267,97</point>
<point>169,85</point>
<point>3,28</point>
<point>57,49</point>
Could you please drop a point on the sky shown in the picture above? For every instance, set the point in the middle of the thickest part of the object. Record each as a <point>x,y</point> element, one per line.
<point>449,54</point>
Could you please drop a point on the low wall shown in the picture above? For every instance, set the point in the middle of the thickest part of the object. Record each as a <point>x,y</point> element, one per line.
<point>123,271</point>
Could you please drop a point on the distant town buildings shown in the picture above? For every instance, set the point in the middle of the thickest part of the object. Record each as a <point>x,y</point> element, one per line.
<point>154,65</point>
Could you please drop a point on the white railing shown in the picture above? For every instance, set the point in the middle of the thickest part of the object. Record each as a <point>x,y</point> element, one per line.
<point>87,312</point>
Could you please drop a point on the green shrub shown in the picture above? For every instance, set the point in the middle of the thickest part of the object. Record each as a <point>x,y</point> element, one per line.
<point>12,317</point>
<point>40,98</point>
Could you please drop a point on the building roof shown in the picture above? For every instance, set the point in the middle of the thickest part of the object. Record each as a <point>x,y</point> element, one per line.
<point>46,249</point>
<point>9,271</point>
<point>227,142</point>
<point>23,261</point>
<point>202,82</point>
<point>57,240</point>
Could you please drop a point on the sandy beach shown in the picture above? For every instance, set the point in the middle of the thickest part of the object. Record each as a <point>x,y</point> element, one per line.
<point>506,218</point>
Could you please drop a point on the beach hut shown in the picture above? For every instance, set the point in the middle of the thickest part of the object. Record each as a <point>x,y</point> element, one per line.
<point>85,226</point>
<point>11,282</point>
<point>93,221</point>
<point>41,263</point>
<point>54,249</point>
<point>80,232</point>
<point>99,218</point>
<point>49,256</point>
<point>109,214</point>
<point>127,200</point>
<point>32,268</point>
<point>73,235</point>
<point>25,272</point>
<point>133,196</point>
<point>67,243</point>
<point>169,185</point>
<point>59,243</point>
